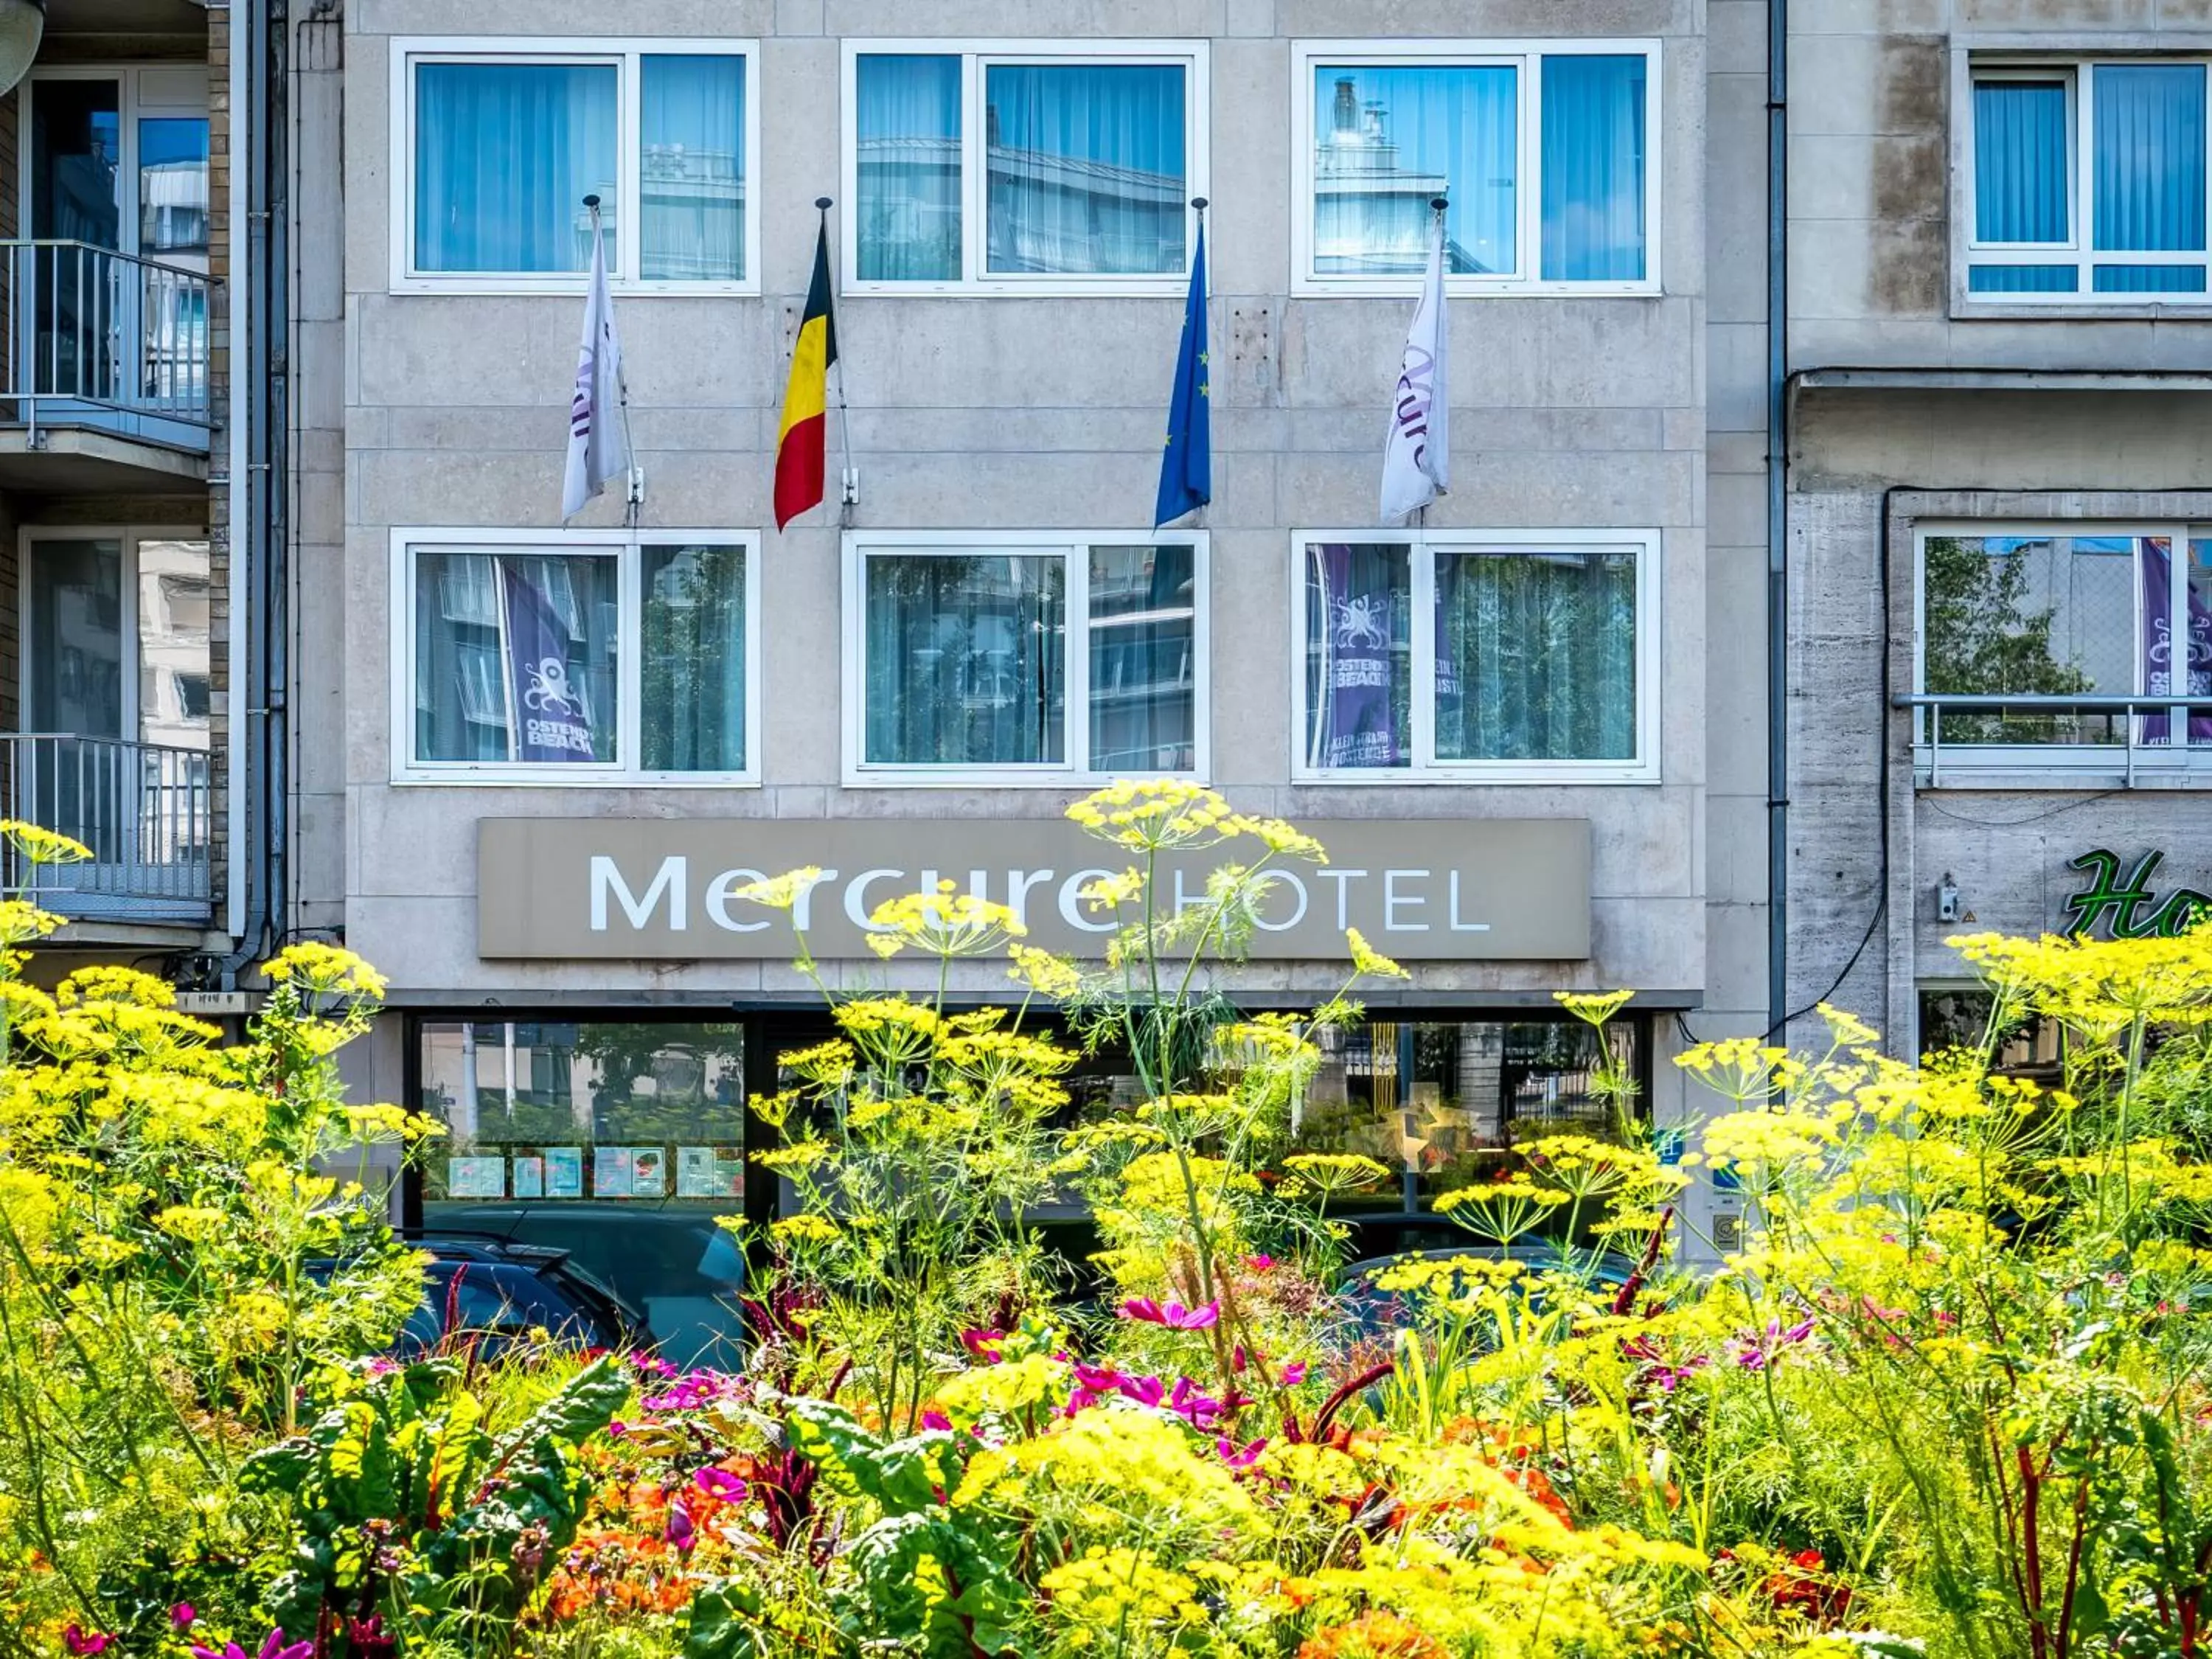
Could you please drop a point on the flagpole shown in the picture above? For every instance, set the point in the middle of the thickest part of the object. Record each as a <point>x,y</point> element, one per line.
<point>633,480</point>
<point>1437,205</point>
<point>848,482</point>
<point>1198,206</point>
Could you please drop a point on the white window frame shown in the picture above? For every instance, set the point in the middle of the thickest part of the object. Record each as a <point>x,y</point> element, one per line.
<point>623,53</point>
<point>1425,544</point>
<point>1526,57</point>
<point>1193,56</point>
<point>1074,546</point>
<point>2078,250</point>
<point>626,548</point>
<point>1972,765</point>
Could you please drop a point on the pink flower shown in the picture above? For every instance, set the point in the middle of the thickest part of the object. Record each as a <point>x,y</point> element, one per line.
<point>273,1646</point>
<point>80,1644</point>
<point>1173,1316</point>
<point>983,1344</point>
<point>935,1420</point>
<point>1240,1459</point>
<point>183,1616</point>
<point>719,1483</point>
<point>1145,1390</point>
<point>679,1531</point>
<point>1756,1351</point>
<point>1294,1373</point>
<point>1187,1401</point>
<point>1259,1264</point>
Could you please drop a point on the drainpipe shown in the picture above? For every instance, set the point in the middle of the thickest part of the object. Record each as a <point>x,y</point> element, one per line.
<point>260,323</point>
<point>1778,505</point>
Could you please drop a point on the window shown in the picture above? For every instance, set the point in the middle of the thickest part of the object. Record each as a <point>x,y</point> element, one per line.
<point>499,143</point>
<point>1546,151</point>
<point>557,658</point>
<point>2032,638</point>
<point>2087,181</point>
<point>1027,168</point>
<point>1535,661</point>
<point>1009,658</point>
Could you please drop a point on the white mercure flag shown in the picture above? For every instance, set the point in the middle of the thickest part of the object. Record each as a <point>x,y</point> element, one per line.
<point>1417,455</point>
<point>594,454</point>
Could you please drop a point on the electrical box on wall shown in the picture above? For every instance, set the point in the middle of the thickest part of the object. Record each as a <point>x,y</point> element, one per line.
<point>219,1004</point>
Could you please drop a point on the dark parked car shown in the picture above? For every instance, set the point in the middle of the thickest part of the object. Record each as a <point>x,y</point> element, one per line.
<point>495,1292</point>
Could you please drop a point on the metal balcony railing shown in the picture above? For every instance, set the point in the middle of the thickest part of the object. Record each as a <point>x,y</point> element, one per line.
<point>106,340</point>
<point>2127,738</point>
<point>147,812</point>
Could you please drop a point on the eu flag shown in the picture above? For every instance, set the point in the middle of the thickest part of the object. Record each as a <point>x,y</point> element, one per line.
<point>1187,464</point>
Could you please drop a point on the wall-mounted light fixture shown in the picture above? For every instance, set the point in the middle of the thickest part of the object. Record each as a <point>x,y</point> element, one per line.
<point>1948,907</point>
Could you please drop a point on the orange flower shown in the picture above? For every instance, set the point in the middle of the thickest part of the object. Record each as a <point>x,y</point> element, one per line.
<point>1376,1634</point>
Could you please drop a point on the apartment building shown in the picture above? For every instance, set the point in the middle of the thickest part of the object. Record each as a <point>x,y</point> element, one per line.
<point>1998,459</point>
<point>120,536</point>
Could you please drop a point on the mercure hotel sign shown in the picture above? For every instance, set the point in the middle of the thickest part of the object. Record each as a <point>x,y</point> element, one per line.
<point>647,889</point>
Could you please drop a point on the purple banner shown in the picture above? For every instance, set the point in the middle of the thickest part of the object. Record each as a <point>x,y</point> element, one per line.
<point>552,717</point>
<point>1357,667</point>
<point>2160,678</point>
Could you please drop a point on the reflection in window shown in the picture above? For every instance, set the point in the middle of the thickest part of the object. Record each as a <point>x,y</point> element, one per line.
<point>1086,175</point>
<point>964,659</point>
<point>1962,1019</point>
<point>1143,665</point>
<point>617,1141</point>
<point>514,658</point>
<point>692,659</point>
<point>691,216</point>
<point>1536,655</point>
<point>907,160</point>
<point>172,185</point>
<point>1441,1098</point>
<point>1388,139</point>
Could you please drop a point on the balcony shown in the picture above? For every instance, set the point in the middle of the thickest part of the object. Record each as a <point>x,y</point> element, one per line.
<point>104,371</point>
<point>2060,741</point>
<point>146,811</point>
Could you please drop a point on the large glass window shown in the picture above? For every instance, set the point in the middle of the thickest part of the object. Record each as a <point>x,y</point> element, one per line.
<point>577,659</point>
<point>1439,1099</point>
<point>1015,657</point>
<point>502,148</point>
<point>1082,170</point>
<point>2036,637</point>
<point>619,1142</point>
<point>1543,156</point>
<point>1431,656</point>
<point>2088,180</point>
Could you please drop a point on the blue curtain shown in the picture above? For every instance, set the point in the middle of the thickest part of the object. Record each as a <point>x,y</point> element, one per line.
<point>908,158</point>
<point>2149,162</point>
<point>691,219</point>
<point>2023,279</point>
<point>1086,168</point>
<point>2021,159</point>
<point>1385,140</point>
<point>504,155</point>
<point>1593,169</point>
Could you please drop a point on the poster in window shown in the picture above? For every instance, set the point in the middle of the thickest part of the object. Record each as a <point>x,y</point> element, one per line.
<point>565,1172</point>
<point>476,1177</point>
<point>708,1172</point>
<point>648,1172</point>
<point>529,1177</point>
<point>630,1172</point>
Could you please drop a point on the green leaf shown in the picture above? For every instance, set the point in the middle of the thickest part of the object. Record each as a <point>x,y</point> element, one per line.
<point>724,1622</point>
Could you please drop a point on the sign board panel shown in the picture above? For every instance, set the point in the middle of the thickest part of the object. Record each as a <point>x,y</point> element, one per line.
<point>659,889</point>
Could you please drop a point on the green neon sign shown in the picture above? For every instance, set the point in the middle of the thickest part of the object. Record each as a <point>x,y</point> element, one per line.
<point>2127,906</point>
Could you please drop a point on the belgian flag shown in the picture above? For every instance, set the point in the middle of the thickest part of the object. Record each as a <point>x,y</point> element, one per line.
<point>802,442</point>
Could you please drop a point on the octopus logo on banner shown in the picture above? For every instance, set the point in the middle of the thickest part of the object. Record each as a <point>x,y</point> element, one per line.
<point>552,716</point>
<point>1357,728</point>
<point>2159,677</point>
